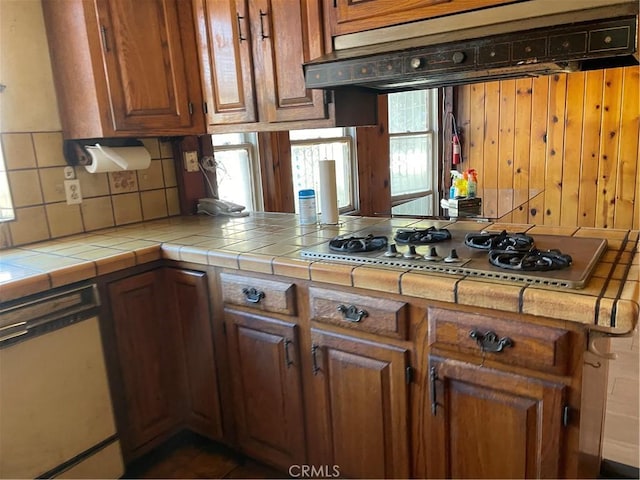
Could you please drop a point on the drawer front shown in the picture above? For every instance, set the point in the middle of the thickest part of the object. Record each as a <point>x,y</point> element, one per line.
<point>258,293</point>
<point>516,343</point>
<point>367,314</point>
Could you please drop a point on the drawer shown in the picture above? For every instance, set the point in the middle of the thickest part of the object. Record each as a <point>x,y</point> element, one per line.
<point>515,343</point>
<point>530,49</point>
<point>266,295</point>
<point>366,314</point>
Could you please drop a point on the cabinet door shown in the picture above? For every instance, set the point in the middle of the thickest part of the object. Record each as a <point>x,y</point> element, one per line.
<point>188,305</point>
<point>148,360</point>
<point>358,15</point>
<point>265,366</point>
<point>224,44</point>
<point>361,394</point>
<point>286,34</point>
<point>144,64</point>
<point>491,424</point>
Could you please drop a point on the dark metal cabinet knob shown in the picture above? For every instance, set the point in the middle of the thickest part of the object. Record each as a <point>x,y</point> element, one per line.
<point>458,57</point>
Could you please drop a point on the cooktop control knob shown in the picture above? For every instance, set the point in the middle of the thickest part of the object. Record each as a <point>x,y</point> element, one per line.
<point>392,251</point>
<point>411,253</point>
<point>453,256</point>
<point>416,63</point>
<point>432,256</point>
<point>458,57</point>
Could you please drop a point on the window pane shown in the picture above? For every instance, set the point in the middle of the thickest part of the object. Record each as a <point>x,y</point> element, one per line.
<point>408,112</point>
<point>304,163</point>
<point>316,133</point>
<point>411,169</point>
<point>227,139</point>
<point>419,206</point>
<point>233,170</point>
<point>6,207</point>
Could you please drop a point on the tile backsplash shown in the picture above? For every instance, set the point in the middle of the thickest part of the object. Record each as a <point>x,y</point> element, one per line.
<point>35,166</point>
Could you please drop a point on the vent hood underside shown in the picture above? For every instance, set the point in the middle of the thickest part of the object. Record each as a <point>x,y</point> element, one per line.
<point>403,65</point>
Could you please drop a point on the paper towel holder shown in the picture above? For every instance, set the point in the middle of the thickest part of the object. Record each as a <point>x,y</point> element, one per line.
<point>76,154</point>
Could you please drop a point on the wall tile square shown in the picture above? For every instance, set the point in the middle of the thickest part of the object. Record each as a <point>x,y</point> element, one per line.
<point>48,147</point>
<point>97,213</point>
<point>92,184</point>
<point>169,172</point>
<point>18,151</point>
<point>153,145</point>
<point>166,150</point>
<point>173,201</point>
<point>154,204</point>
<point>152,177</point>
<point>29,226</point>
<point>52,181</point>
<point>123,182</point>
<point>25,188</point>
<point>64,219</point>
<point>126,208</point>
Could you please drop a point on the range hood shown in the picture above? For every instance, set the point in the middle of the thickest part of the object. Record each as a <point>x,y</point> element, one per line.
<point>578,40</point>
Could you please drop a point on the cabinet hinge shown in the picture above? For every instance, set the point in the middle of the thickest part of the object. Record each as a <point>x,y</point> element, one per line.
<point>190,108</point>
<point>408,374</point>
<point>224,328</point>
<point>328,96</point>
<point>566,415</point>
<point>205,108</point>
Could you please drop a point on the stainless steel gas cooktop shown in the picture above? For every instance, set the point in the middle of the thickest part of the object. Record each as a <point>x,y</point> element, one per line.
<point>550,260</point>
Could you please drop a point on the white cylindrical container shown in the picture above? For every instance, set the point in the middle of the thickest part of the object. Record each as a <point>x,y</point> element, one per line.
<point>328,192</point>
<point>308,209</point>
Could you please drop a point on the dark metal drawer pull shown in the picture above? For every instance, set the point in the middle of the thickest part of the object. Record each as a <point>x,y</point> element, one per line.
<point>352,314</point>
<point>252,295</point>
<point>287,358</point>
<point>314,360</point>
<point>490,342</point>
<point>433,376</point>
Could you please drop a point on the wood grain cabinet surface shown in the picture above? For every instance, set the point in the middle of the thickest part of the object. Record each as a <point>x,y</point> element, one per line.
<point>491,424</point>
<point>265,369</point>
<point>349,16</point>
<point>163,374</point>
<point>124,68</point>
<point>251,55</point>
<point>361,395</point>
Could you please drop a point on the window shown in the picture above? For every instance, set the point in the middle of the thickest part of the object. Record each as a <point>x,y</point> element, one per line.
<point>310,146</point>
<point>237,169</point>
<point>413,151</point>
<point>6,206</point>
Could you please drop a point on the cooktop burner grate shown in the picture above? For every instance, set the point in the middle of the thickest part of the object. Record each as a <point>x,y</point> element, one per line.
<point>353,244</point>
<point>531,261</point>
<point>406,236</point>
<point>499,241</point>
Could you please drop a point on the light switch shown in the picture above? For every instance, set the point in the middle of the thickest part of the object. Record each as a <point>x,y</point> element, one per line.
<point>191,161</point>
<point>72,191</point>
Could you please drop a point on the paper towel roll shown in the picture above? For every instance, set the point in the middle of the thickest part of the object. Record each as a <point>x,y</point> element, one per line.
<point>328,192</point>
<point>115,159</point>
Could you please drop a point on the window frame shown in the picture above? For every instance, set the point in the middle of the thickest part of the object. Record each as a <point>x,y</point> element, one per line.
<point>351,141</point>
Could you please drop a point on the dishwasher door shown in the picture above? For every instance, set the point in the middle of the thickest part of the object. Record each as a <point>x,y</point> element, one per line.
<point>56,418</point>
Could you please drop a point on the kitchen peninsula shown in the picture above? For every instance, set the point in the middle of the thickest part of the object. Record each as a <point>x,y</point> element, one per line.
<point>376,366</point>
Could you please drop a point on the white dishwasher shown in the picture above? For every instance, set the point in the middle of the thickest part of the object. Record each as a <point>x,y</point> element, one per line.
<point>56,418</point>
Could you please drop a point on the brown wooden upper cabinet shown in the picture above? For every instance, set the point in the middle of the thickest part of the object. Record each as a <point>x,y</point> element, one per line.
<point>124,67</point>
<point>350,16</point>
<point>251,56</point>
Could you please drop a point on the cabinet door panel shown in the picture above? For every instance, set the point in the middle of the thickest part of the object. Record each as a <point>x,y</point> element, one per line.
<point>149,364</point>
<point>362,394</point>
<point>144,65</point>
<point>267,387</point>
<point>491,424</point>
<point>279,59</point>
<point>224,42</point>
<point>188,304</point>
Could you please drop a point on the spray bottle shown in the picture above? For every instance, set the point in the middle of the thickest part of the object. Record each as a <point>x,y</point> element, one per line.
<point>471,176</point>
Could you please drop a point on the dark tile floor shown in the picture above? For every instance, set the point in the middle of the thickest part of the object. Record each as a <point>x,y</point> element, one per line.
<point>190,456</point>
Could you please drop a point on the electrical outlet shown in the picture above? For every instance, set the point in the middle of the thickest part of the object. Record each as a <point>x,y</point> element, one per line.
<point>191,161</point>
<point>72,191</point>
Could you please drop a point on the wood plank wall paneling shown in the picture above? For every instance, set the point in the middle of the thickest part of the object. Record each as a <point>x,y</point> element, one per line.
<point>557,150</point>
